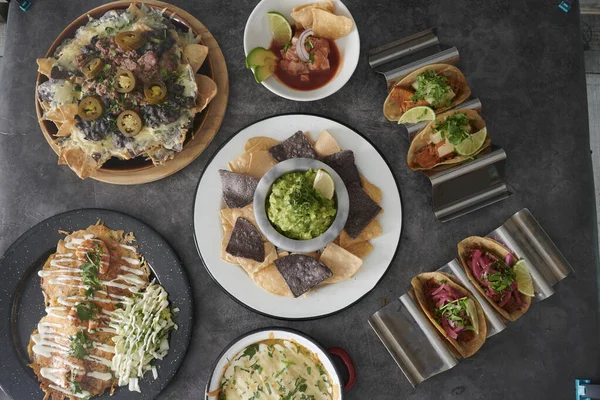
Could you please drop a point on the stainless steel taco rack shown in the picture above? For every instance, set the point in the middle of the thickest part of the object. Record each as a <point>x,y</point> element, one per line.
<point>411,339</point>
<point>456,190</point>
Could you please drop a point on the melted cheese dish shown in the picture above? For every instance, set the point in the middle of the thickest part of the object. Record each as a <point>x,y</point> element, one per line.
<point>124,86</point>
<point>275,369</point>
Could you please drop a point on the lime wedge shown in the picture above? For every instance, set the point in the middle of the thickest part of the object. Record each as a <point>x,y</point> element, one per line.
<point>524,281</point>
<point>324,184</point>
<point>417,114</point>
<point>280,27</point>
<point>469,146</point>
<point>472,313</point>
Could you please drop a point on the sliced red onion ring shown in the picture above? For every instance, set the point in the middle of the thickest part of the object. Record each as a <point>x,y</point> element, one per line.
<point>301,48</point>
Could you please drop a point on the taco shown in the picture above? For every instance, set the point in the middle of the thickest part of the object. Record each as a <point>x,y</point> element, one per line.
<point>453,310</point>
<point>439,86</point>
<point>490,266</point>
<point>452,138</point>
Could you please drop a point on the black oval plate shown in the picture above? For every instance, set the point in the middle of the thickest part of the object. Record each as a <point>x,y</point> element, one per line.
<point>22,301</point>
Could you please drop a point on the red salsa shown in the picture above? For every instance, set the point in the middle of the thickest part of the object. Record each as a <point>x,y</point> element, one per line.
<point>317,72</point>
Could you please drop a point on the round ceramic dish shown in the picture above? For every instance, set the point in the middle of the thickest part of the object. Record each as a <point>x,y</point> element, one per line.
<point>264,189</point>
<point>329,299</point>
<point>303,339</point>
<point>257,33</point>
<point>22,301</point>
<point>205,124</point>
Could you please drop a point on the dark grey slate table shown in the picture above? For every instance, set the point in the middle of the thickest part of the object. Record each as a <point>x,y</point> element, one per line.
<point>524,60</point>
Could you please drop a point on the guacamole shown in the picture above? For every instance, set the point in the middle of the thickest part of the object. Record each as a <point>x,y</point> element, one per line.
<point>296,209</point>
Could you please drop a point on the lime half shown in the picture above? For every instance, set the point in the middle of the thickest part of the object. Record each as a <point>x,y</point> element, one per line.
<point>280,27</point>
<point>417,114</point>
<point>470,145</point>
<point>324,184</point>
<point>472,313</point>
<point>524,281</point>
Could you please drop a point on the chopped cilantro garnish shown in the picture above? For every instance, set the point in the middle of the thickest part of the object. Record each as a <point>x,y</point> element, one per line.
<point>287,46</point>
<point>454,128</point>
<point>80,344</point>
<point>75,387</point>
<point>86,311</point>
<point>456,311</point>
<point>89,272</point>
<point>250,351</point>
<point>434,88</point>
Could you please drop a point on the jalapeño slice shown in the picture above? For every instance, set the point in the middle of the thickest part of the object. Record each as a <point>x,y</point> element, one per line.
<point>129,123</point>
<point>93,68</point>
<point>90,108</point>
<point>124,81</point>
<point>155,92</point>
<point>130,40</point>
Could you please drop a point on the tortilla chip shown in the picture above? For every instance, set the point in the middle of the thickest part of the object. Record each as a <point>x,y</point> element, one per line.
<point>343,163</point>
<point>296,146</point>
<point>373,191</point>
<point>303,14</point>
<point>371,231</point>
<point>240,165</point>
<point>69,110</point>
<point>341,262</point>
<point>251,266</point>
<point>78,161</point>
<point>361,249</point>
<point>326,145</point>
<point>330,26</point>
<point>65,128</point>
<point>259,143</point>
<point>310,139</point>
<point>195,54</point>
<point>362,211</point>
<point>238,190</point>
<point>230,215</point>
<point>45,65</point>
<point>270,280</point>
<point>207,90</point>
<point>260,163</point>
<point>302,273</point>
<point>245,241</point>
<point>54,115</point>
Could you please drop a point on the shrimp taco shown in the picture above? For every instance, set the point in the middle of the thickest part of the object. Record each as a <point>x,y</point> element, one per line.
<point>439,86</point>
<point>496,272</point>
<point>452,138</point>
<point>453,310</point>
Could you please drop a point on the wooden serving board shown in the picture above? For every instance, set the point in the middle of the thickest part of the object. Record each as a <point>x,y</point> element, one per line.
<point>206,123</point>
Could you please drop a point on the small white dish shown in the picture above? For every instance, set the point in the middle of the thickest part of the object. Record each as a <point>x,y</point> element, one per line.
<point>258,34</point>
<point>264,189</point>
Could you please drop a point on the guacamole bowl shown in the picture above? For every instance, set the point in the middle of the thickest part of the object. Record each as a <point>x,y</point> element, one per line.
<point>265,188</point>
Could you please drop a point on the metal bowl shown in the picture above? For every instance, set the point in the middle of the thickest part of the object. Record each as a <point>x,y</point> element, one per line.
<point>263,190</point>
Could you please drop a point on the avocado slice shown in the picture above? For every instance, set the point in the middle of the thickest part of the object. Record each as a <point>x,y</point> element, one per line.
<point>262,72</point>
<point>259,56</point>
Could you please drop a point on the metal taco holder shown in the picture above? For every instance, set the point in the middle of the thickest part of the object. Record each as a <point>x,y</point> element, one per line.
<point>415,344</point>
<point>456,190</point>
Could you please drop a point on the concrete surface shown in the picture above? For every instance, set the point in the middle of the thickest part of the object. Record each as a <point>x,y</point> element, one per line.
<point>524,60</point>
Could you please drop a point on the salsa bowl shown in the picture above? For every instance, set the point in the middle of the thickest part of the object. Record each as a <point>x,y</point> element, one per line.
<point>258,34</point>
<point>263,190</point>
<point>323,355</point>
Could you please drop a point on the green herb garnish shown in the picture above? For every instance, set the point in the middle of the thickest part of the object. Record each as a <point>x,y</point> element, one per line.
<point>456,311</point>
<point>80,344</point>
<point>434,88</point>
<point>455,128</point>
<point>287,46</point>
<point>250,351</point>
<point>89,271</point>
<point>86,311</point>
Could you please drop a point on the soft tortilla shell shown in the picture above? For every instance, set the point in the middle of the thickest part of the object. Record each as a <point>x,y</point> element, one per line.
<point>493,247</point>
<point>330,26</point>
<point>464,349</point>
<point>422,139</point>
<point>392,109</point>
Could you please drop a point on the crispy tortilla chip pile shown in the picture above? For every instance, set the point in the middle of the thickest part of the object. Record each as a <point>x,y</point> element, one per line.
<point>276,273</point>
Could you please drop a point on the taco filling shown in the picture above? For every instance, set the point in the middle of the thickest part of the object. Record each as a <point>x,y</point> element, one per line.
<point>446,135</point>
<point>497,278</point>
<point>429,89</point>
<point>455,313</point>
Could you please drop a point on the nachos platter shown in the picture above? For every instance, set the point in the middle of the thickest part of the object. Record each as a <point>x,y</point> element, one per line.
<point>125,85</point>
<point>350,266</point>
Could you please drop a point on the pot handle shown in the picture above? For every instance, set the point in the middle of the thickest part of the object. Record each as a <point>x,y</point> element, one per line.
<point>348,363</point>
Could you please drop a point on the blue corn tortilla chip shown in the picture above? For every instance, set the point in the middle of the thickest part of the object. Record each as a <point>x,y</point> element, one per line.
<point>362,210</point>
<point>238,190</point>
<point>302,273</point>
<point>296,146</point>
<point>245,241</point>
<point>342,162</point>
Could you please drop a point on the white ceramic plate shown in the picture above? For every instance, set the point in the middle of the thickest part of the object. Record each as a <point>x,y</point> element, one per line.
<point>324,300</point>
<point>257,33</point>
